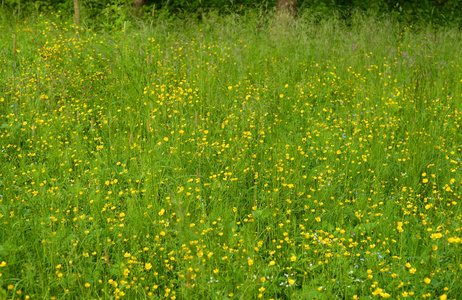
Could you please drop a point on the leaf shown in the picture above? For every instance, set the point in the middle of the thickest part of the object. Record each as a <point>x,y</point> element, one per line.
<point>2,294</point>
<point>307,293</point>
<point>330,227</point>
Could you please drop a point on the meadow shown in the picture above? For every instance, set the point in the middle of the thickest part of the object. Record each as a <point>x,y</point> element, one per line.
<point>236,157</point>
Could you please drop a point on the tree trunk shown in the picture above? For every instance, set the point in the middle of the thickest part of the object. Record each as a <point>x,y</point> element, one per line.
<point>289,6</point>
<point>76,13</point>
<point>138,4</point>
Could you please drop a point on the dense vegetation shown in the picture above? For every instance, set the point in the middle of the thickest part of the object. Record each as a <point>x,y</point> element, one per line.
<point>103,13</point>
<point>238,156</point>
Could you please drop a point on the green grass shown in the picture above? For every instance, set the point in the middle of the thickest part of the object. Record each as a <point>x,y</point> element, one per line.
<point>235,158</point>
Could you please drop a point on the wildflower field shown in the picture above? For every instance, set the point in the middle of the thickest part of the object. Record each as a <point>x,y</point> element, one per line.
<point>239,157</point>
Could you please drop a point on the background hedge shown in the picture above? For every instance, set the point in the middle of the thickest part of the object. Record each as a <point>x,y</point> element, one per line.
<point>106,12</point>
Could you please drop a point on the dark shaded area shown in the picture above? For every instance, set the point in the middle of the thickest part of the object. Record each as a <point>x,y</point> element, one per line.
<point>435,12</point>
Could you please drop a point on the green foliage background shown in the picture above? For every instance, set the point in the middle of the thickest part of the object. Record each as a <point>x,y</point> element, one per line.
<point>109,12</point>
